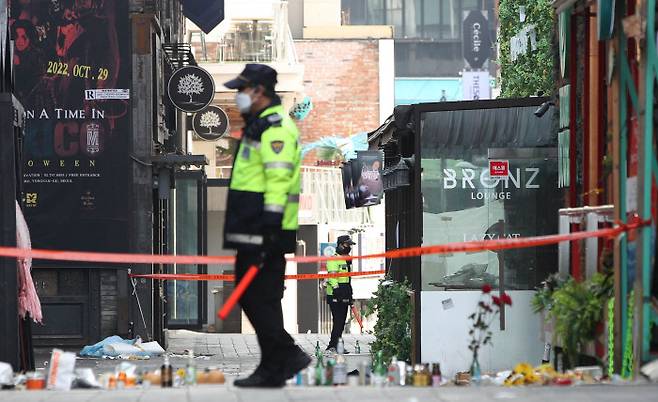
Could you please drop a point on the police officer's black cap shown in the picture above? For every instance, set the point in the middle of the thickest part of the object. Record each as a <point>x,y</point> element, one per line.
<point>344,239</point>
<point>252,75</point>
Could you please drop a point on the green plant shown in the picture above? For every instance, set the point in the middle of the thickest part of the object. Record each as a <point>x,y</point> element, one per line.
<point>577,308</point>
<point>393,328</point>
<point>329,154</point>
<point>531,72</point>
<point>543,298</point>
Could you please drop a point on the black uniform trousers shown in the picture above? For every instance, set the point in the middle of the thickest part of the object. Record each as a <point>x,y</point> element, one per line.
<point>339,315</point>
<point>261,303</point>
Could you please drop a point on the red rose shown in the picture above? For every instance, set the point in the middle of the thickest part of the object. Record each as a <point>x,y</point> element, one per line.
<point>505,298</point>
<point>496,300</point>
<point>486,288</point>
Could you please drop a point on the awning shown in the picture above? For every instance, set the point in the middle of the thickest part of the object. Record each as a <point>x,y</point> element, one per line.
<point>206,14</point>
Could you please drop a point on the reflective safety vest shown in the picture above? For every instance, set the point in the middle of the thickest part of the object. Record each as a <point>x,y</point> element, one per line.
<point>336,266</point>
<point>265,183</point>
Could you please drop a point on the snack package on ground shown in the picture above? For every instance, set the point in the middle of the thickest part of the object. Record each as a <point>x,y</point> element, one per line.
<point>152,348</point>
<point>6,375</point>
<point>152,378</point>
<point>589,374</point>
<point>126,375</point>
<point>85,378</point>
<point>650,370</point>
<point>523,374</point>
<point>124,367</point>
<point>122,349</point>
<point>61,370</point>
<point>215,376</point>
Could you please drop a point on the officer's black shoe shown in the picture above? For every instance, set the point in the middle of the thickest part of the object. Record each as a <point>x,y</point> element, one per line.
<point>296,361</point>
<point>259,380</point>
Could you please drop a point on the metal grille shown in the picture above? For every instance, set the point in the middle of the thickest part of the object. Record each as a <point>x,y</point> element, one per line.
<point>179,54</point>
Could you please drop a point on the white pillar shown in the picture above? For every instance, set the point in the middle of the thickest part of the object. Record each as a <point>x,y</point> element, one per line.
<point>386,79</point>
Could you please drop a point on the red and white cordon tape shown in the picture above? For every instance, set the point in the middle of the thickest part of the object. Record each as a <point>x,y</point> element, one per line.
<point>468,247</point>
<point>230,278</point>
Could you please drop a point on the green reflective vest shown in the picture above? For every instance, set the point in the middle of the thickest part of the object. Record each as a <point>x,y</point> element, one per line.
<point>265,183</point>
<point>333,267</point>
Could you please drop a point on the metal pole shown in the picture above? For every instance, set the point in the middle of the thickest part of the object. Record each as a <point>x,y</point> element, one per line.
<point>9,344</point>
<point>623,174</point>
<point>643,277</point>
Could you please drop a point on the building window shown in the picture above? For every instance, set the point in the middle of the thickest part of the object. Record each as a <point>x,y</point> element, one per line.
<point>463,202</point>
<point>422,19</point>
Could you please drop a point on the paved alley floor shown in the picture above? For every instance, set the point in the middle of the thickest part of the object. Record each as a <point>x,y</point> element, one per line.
<point>228,393</point>
<point>235,354</point>
<point>238,354</point>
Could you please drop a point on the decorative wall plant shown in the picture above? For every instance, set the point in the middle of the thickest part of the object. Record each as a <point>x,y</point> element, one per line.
<point>532,71</point>
<point>392,332</point>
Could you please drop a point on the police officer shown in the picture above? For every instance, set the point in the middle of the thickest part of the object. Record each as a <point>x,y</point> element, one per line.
<point>261,219</point>
<point>339,290</point>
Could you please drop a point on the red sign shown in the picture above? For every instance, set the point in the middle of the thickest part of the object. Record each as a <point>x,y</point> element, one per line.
<point>498,168</point>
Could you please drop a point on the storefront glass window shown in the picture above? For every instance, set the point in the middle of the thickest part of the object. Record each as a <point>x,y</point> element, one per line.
<point>183,296</point>
<point>463,202</point>
<point>427,19</point>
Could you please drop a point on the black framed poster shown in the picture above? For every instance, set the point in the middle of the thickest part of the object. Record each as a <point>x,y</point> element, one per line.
<point>73,76</point>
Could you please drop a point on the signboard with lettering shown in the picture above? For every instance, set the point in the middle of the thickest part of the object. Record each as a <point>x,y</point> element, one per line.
<point>477,43</point>
<point>475,85</point>
<point>498,168</point>
<point>72,66</point>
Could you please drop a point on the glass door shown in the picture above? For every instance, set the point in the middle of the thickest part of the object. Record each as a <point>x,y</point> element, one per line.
<point>187,233</point>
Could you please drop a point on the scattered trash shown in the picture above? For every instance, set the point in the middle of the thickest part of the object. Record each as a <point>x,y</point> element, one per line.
<point>6,375</point>
<point>35,381</point>
<point>61,373</point>
<point>650,370</point>
<point>128,349</point>
<point>85,378</point>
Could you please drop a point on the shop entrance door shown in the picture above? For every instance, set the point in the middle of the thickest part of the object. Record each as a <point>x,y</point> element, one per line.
<point>186,300</point>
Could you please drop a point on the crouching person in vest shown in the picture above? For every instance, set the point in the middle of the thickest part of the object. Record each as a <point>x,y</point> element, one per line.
<point>339,290</point>
<point>261,219</point>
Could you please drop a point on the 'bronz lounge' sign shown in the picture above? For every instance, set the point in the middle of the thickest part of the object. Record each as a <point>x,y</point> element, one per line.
<point>480,179</point>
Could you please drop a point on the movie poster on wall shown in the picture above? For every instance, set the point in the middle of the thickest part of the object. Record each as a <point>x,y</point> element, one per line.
<point>72,75</point>
<point>367,178</point>
<point>348,187</point>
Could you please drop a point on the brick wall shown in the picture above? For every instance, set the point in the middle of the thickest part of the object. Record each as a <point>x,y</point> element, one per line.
<point>342,79</point>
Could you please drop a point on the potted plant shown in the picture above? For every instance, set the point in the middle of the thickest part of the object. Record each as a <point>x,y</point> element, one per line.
<point>576,309</point>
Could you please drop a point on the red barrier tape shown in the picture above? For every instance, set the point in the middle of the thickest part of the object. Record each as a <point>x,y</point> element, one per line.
<point>472,246</point>
<point>230,278</point>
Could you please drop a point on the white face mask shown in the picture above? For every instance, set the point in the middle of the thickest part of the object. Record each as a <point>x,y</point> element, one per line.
<point>243,101</point>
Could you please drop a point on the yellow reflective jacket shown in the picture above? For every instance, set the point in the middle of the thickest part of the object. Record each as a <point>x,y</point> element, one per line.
<point>337,266</point>
<point>265,183</point>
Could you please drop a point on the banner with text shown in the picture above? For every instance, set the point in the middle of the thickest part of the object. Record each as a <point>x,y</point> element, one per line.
<point>73,74</point>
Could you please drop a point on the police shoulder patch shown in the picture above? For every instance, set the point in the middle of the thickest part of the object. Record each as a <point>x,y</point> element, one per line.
<point>277,146</point>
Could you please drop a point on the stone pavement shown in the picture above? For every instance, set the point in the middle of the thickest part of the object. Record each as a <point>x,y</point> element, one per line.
<point>234,354</point>
<point>228,393</point>
<point>238,355</point>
